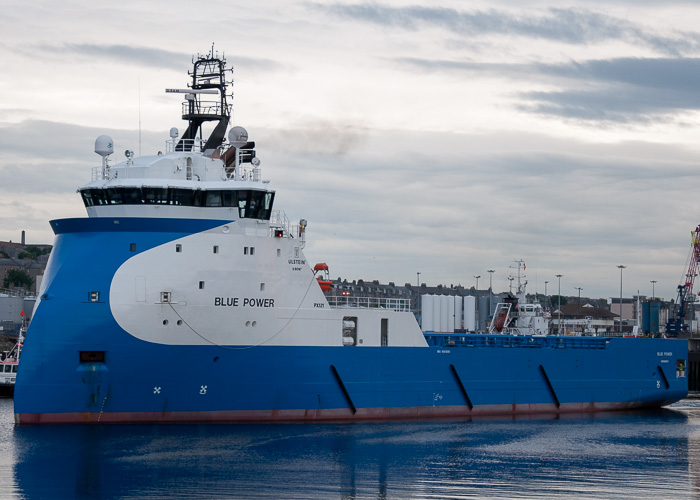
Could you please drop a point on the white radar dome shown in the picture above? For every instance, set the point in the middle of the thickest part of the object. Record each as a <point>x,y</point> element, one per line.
<point>104,145</point>
<point>174,132</point>
<point>238,136</point>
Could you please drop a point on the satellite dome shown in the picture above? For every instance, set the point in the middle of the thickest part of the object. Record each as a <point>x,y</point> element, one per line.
<point>238,136</point>
<point>174,132</point>
<point>104,146</point>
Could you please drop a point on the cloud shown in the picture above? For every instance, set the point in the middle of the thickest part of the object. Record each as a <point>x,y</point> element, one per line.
<point>53,157</point>
<point>147,56</point>
<point>134,55</point>
<point>569,26</point>
<point>621,90</point>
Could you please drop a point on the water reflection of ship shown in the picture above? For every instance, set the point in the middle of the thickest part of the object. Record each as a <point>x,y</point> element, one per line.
<point>626,454</point>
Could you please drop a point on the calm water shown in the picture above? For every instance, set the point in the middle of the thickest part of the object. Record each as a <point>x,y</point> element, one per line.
<point>632,455</point>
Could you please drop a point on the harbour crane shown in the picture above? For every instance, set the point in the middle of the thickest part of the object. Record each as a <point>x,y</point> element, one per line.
<point>676,321</point>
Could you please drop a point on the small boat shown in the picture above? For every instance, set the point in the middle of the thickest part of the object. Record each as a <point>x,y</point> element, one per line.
<point>9,362</point>
<point>515,316</point>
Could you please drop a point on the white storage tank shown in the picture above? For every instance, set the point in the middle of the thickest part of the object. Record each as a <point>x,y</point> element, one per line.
<point>426,311</point>
<point>450,314</point>
<point>470,313</point>
<point>444,312</point>
<point>458,312</point>
<point>436,313</point>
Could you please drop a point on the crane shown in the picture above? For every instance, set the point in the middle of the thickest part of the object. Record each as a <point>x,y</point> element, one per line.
<point>676,321</point>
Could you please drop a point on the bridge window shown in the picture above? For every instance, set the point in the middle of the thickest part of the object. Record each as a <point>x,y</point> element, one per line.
<point>154,196</point>
<point>114,196</point>
<point>213,198</point>
<point>87,198</point>
<point>131,196</point>
<point>251,203</point>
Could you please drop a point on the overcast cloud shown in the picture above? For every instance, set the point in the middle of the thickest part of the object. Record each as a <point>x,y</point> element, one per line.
<point>445,138</point>
<point>577,25</point>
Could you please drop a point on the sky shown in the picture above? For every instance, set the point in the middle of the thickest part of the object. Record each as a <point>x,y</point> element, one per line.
<point>444,138</point>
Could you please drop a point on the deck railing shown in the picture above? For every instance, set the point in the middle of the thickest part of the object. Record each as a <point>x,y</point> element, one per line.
<point>524,341</point>
<point>349,301</point>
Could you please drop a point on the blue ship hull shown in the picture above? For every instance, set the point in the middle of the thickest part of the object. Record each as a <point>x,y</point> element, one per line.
<point>171,384</point>
<point>453,376</point>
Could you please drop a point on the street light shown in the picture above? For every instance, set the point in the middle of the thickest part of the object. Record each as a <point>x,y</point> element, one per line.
<point>653,282</point>
<point>621,267</point>
<point>477,281</point>
<point>545,295</point>
<point>418,279</point>
<point>579,299</point>
<point>559,297</point>
<point>490,271</point>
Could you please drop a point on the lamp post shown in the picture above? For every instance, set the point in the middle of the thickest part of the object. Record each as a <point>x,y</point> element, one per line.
<point>653,282</point>
<point>490,271</point>
<point>559,308</point>
<point>477,281</point>
<point>579,299</point>
<point>418,280</point>
<point>621,267</point>
<point>545,294</point>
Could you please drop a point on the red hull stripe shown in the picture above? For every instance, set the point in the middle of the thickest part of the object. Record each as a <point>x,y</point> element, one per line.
<point>327,415</point>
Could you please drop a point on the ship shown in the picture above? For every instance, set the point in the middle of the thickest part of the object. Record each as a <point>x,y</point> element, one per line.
<point>9,362</point>
<point>185,296</point>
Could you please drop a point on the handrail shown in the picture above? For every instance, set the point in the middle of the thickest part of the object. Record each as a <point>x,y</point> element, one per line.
<point>350,301</point>
<point>15,293</point>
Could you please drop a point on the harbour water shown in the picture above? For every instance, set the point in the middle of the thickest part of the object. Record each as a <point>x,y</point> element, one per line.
<point>611,455</point>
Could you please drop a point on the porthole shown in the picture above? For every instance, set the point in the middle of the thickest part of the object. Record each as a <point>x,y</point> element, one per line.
<point>165,322</point>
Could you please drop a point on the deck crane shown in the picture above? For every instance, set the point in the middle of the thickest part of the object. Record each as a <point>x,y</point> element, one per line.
<point>676,321</point>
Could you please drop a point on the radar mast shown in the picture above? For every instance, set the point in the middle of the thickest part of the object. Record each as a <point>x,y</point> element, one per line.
<point>208,78</point>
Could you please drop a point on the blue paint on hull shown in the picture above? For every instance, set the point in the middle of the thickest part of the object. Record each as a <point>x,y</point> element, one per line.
<point>455,376</point>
